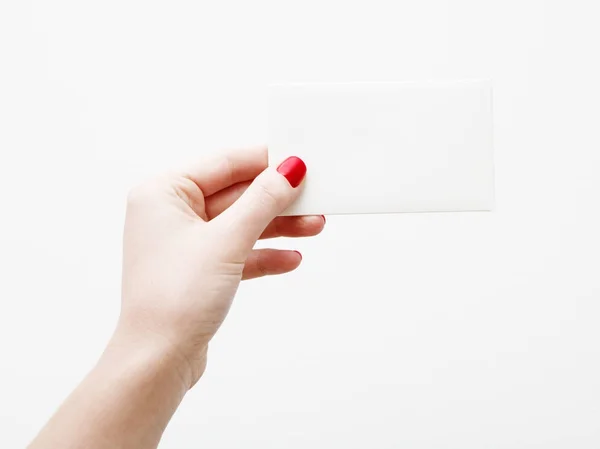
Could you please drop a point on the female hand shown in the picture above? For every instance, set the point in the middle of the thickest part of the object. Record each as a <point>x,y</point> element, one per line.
<point>188,243</point>
<point>189,240</point>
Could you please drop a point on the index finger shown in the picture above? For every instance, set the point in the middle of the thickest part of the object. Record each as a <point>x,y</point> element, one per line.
<point>227,168</point>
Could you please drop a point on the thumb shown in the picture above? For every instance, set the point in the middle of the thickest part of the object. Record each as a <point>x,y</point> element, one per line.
<point>271,192</point>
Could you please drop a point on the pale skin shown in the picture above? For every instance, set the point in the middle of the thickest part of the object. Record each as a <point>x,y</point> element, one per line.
<point>188,242</point>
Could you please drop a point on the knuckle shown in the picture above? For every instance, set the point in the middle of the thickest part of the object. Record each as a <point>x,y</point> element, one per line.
<point>140,193</point>
<point>261,265</point>
<point>135,195</point>
<point>267,197</point>
<point>276,228</point>
<point>230,168</point>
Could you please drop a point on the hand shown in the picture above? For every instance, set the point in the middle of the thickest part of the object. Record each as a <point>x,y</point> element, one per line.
<point>188,243</point>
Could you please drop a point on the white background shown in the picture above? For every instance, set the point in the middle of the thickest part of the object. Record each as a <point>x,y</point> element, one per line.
<point>469,330</point>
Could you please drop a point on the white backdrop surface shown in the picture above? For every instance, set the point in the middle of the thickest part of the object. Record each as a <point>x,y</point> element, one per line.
<point>473,330</point>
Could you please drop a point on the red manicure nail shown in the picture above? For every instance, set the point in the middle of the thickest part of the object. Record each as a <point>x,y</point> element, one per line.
<point>294,170</point>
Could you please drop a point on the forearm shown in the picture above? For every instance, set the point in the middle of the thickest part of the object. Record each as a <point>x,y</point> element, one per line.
<point>126,401</point>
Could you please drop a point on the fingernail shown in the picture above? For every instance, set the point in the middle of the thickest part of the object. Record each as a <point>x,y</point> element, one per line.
<point>324,219</point>
<point>298,252</point>
<point>294,170</point>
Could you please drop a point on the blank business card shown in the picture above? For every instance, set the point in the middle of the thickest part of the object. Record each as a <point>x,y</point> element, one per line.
<point>386,147</point>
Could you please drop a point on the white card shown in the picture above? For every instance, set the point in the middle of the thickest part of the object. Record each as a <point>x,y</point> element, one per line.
<point>386,147</point>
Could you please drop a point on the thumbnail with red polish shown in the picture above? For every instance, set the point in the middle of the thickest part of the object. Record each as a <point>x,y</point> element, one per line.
<point>294,170</point>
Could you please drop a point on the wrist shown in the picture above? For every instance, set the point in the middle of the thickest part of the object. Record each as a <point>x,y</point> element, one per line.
<point>153,355</point>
